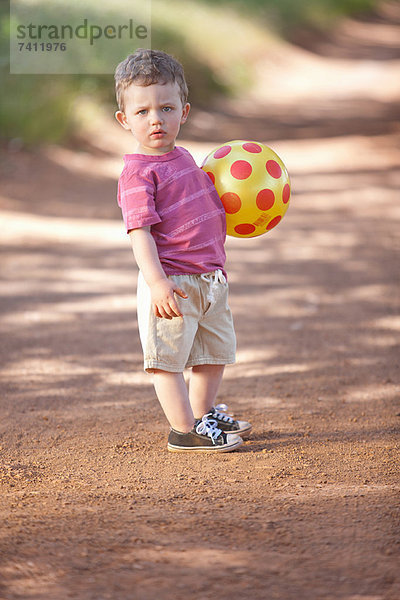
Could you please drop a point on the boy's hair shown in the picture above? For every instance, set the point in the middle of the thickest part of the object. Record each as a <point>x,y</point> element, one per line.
<point>146,67</point>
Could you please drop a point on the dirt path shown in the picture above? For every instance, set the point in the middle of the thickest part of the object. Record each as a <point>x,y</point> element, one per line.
<point>92,507</point>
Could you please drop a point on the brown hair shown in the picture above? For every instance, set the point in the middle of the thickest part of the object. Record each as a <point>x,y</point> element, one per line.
<point>146,67</point>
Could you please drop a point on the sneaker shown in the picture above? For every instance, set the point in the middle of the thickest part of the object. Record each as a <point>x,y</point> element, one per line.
<point>227,424</point>
<point>204,437</point>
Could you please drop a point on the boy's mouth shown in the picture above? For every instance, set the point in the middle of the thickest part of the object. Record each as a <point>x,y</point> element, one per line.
<point>157,133</point>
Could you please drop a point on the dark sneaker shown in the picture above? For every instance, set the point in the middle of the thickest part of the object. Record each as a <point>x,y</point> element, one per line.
<point>204,437</point>
<point>227,424</point>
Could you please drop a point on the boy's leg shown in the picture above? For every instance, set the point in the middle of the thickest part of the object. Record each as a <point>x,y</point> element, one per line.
<point>173,396</point>
<point>204,384</point>
<point>203,388</point>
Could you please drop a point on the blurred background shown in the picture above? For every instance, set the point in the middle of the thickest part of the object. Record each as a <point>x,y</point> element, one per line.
<point>259,51</point>
<point>256,69</point>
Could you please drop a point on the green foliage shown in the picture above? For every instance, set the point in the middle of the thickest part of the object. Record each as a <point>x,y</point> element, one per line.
<point>38,108</point>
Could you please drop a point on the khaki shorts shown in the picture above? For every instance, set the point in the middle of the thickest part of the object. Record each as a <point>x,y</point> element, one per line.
<point>203,336</point>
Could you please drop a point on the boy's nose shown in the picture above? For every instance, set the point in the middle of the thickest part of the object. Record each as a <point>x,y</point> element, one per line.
<point>156,118</point>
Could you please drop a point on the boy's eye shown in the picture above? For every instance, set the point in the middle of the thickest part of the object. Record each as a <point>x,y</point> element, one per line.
<point>142,112</point>
<point>167,108</point>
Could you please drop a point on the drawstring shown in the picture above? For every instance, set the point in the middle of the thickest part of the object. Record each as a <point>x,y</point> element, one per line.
<point>214,279</point>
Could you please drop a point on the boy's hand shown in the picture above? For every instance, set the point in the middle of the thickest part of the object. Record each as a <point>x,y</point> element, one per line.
<point>163,299</point>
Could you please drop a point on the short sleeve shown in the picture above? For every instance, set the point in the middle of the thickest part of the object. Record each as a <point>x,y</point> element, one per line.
<point>136,198</point>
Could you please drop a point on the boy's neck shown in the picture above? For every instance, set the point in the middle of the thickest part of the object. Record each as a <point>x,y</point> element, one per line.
<point>151,152</point>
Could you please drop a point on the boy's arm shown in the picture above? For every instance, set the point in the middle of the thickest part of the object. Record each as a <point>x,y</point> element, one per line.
<point>162,289</point>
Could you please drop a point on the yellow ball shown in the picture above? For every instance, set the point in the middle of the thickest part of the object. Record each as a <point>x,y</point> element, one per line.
<point>253,185</point>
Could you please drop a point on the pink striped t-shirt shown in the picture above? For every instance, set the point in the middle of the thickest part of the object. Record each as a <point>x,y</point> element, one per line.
<point>179,202</point>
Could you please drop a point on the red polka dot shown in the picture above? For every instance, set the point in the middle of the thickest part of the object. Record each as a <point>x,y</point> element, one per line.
<point>273,169</point>
<point>241,169</point>
<point>231,202</point>
<point>273,223</point>
<point>251,147</point>
<point>221,152</point>
<point>244,228</point>
<point>211,176</point>
<point>286,193</point>
<point>265,199</point>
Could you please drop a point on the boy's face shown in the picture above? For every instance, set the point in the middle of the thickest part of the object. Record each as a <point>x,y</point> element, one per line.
<point>153,114</point>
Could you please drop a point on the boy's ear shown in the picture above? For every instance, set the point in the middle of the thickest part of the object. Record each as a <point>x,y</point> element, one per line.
<point>185,113</point>
<point>121,118</point>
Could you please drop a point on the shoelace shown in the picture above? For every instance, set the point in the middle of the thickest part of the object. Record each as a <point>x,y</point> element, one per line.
<point>214,279</point>
<point>222,417</point>
<point>208,427</point>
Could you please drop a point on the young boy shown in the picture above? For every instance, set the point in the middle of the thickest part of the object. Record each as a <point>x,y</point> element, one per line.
<point>177,227</point>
